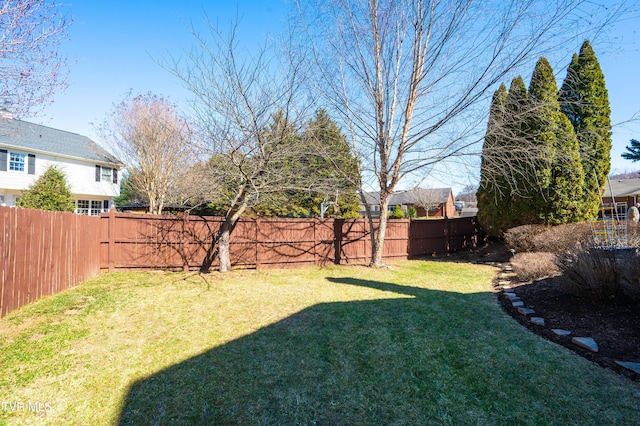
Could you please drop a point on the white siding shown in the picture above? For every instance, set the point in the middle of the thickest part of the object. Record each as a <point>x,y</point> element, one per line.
<point>80,176</point>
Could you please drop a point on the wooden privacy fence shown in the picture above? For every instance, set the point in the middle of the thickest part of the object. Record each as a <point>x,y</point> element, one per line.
<point>46,252</point>
<point>43,253</point>
<point>151,242</point>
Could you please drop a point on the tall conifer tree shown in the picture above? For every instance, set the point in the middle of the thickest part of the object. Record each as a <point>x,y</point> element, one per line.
<point>560,199</point>
<point>526,174</point>
<point>493,196</point>
<point>585,101</point>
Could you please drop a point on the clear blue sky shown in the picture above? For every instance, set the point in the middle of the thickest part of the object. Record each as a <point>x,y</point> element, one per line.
<point>114,45</point>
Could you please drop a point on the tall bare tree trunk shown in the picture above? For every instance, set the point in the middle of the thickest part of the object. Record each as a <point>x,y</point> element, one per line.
<point>378,245</point>
<point>224,239</point>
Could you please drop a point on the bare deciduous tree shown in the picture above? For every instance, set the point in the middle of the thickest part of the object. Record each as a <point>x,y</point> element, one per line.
<point>31,68</point>
<point>406,76</point>
<point>427,198</point>
<point>248,114</point>
<point>153,140</point>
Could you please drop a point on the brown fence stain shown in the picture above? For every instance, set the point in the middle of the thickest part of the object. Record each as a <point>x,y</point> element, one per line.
<point>133,242</point>
<point>43,253</point>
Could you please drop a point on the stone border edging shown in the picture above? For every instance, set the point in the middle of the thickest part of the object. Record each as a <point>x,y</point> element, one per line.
<point>587,343</point>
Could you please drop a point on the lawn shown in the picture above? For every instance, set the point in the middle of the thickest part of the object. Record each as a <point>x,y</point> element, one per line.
<point>419,343</point>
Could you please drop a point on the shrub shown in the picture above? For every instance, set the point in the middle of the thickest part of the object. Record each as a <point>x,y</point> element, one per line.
<point>411,212</point>
<point>629,272</point>
<point>520,238</point>
<point>594,274</point>
<point>562,237</point>
<point>633,234</point>
<point>534,266</point>
<point>50,192</point>
<point>397,213</point>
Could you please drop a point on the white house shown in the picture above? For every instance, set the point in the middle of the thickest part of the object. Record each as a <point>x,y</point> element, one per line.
<point>27,150</point>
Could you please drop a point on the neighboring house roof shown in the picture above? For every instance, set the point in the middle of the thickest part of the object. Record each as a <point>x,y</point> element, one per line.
<point>30,136</point>
<point>413,196</point>
<point>622,188</point>
<point>469,211</point>
<point>145,207</point>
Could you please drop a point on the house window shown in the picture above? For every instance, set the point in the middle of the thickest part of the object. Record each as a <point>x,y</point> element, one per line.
<point>90,207</point>
<point>82,207</point>
<point>16,162</point>
<point>1,200</point>
<point>106,174</point>
<point>96,207</point>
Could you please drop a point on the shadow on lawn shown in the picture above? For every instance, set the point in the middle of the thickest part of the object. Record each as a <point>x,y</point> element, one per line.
<point>403,361</point>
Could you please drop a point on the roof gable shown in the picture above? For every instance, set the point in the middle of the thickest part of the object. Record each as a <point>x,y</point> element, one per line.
<point>30,136</point>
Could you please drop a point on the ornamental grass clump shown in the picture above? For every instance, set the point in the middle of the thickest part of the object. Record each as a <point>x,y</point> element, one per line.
<point>597,273</point>
<point>534,266</point>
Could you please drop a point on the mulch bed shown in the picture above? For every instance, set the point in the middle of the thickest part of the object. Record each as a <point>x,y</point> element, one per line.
<point>615,328</point>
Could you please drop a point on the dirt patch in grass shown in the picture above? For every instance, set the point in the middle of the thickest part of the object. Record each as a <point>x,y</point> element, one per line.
<point>615,327</point>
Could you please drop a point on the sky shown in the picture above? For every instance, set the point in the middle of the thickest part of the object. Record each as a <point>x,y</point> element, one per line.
<point>115,46</point>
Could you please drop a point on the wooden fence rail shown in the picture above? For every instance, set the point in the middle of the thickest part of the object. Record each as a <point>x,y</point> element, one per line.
<point>46,252</point>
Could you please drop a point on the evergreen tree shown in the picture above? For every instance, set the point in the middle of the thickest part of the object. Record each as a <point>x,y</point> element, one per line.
<point>527,175</point>
<point>562,184</point>
<point>397,213</point>
<point>335,164</point>
<point>329,168</point>
<point>633,151</point>
<point>128,194</point>
<point>585,101</point>
<point>49,192</point>
<point>491,195</point>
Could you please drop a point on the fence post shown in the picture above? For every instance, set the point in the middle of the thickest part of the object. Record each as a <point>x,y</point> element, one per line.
<point>315,242</point>
<point>111,238</point>
<point>257,226</point>
<point>409,238</point>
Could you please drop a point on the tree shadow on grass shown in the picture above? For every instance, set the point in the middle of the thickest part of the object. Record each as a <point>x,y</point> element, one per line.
<point>423,357</point>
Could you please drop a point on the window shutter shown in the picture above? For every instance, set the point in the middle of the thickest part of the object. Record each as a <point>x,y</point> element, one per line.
<point>3,160</point>
<point>105,205</point>
<point>115,175</point>
<point>32,164</point>
<point>97,173</point>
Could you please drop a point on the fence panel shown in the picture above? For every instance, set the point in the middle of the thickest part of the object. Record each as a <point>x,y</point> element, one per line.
<point>46,252</point>
<point>160,242</point>
<point>43,253</point>
<point>429,237</point>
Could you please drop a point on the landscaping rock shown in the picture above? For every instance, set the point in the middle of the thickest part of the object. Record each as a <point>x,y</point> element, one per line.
<point>512,296</point>
<point>503,282</point>
<point>526,311</point>
<point>508,289</point>
<point>517,303</point>
<point>633,366</point>
<point>537,320</point>
<point>561,332</point>
<point>586,343</point>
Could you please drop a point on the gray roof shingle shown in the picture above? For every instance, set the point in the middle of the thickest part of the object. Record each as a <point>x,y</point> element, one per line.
<point>622,188</point>
<point>412,196</point>
<point>30,136</point>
